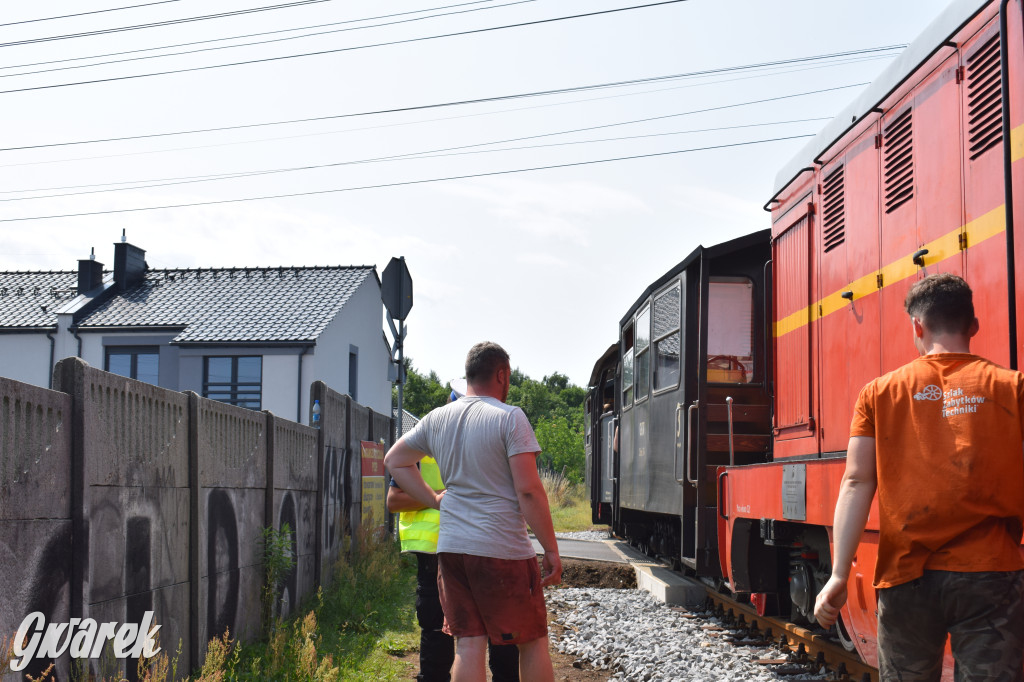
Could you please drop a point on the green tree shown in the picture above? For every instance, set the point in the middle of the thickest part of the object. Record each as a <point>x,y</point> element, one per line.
<point>561,442</point>
<point>422,392</point>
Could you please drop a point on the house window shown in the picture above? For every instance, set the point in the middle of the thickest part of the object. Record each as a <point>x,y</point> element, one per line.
<point>236,380</point>
<point>353,372</point>
<point>135,362</point>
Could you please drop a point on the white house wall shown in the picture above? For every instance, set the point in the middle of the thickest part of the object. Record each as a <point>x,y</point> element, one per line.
<point>25,357</point>
<point>351,328</point>
<point>279,384</point>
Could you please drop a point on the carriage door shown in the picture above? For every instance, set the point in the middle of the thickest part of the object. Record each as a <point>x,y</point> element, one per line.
<point>702,553</point>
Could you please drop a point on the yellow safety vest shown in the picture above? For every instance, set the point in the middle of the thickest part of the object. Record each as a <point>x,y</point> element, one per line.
<point>418,529</point>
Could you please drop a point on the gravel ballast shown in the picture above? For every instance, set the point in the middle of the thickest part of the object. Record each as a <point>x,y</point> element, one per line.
<point>635,637</point>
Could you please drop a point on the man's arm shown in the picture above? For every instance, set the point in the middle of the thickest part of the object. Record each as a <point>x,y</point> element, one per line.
<point>401,501</point>
<point>401,462</point>
<point>852,509</point>
<point>534,503</point>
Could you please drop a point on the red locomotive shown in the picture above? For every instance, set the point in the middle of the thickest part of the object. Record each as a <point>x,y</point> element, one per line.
<point>716,439</point>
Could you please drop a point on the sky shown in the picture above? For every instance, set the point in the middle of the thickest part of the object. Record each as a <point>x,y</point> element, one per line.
<point>521,218</point>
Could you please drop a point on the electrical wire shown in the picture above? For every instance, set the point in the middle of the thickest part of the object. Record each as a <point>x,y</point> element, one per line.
<point>253,35</point>
<point>632,121</point>
<point>319,53</point>
<point>263,140</point>
<point>482,100</point>
<point>404,183</point>
<point>155,24</point>
<point>427,154</point>
<point>82,14</point>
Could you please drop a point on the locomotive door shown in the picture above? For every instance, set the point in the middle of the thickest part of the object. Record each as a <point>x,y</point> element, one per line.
<point>920,200</point>
<point>847,304</point>
<point>984,194</point>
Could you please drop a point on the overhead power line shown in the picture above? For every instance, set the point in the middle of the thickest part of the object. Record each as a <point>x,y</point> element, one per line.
<point>759,73</point>
<point>254,35</point>
<point>410,156</point>
<point>404,183</point>
<point>342,49</point>
<point>82,14</point>
<point>155,24</point>
<point>481,100</point>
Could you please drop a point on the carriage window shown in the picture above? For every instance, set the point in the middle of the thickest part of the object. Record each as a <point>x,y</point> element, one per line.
<point>731,330</point>
<point>627,366</point>
<point>643,354</point>
<point>666,339</point>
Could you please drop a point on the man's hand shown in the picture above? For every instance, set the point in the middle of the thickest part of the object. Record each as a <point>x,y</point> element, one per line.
<point>830,600</point>
<point>437,499</point>
<point>551,574</point>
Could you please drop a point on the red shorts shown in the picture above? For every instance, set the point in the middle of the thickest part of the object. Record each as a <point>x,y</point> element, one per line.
<point>500,598</point>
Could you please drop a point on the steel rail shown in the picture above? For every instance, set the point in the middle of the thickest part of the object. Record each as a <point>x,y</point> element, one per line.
<point>817,648</point>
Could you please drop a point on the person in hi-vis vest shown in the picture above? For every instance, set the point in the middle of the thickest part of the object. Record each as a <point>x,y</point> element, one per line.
<point>418,529</point>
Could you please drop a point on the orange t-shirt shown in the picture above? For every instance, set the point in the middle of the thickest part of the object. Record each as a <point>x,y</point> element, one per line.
<point>948,432</point>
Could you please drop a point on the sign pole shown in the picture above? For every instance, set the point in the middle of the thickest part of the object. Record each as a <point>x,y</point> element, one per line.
<point>396,293</point>
<point>401,378</point>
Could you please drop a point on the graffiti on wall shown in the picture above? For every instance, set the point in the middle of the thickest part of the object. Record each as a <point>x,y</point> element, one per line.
<point>222,554</point>
<point>288,594</point>
<point>337,496</point>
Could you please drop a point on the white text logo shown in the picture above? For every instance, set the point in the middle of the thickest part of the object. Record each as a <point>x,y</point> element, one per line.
<point>82,638</point>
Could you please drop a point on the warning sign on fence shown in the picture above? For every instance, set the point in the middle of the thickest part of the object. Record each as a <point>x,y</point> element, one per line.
<point>374,487</point>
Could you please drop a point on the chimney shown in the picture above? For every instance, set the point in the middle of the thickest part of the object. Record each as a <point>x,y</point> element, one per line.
<point>129,265</point>
<point>90,273</point>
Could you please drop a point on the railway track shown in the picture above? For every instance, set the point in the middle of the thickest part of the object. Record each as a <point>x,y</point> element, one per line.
<point>807,647</point>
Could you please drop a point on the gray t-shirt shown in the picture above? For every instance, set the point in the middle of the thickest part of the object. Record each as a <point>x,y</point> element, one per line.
<point>472,439</point>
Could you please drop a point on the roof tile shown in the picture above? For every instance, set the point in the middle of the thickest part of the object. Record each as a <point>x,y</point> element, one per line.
<point>211,305</point>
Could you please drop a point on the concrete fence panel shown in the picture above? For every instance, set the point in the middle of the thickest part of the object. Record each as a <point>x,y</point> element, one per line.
<point>130,502</point>
<point>382,427</point>
<point>336,478</point>
<point>294,469</point>
<point>35,510</point>
<point>359,421</point>
<point>231,456</point>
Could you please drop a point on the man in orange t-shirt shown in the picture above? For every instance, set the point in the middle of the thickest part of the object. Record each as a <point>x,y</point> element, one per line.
<point>941,440</point>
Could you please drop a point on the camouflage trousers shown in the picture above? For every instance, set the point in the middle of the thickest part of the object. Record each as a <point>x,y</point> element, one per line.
<point>983,614</point>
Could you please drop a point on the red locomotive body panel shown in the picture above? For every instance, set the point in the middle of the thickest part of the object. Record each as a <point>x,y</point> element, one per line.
<point>755,493</point>
<point>914,187</point>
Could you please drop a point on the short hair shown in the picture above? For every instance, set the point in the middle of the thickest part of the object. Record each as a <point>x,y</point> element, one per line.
<point>483,360</point>
<point>944,303</point>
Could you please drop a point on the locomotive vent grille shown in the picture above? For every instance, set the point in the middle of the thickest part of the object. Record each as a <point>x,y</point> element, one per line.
<point>899,162</point>
<point>834,214</point>
<point>984,100</point>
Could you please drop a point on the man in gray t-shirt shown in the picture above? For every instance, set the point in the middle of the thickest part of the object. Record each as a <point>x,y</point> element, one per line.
<point>489,580</point>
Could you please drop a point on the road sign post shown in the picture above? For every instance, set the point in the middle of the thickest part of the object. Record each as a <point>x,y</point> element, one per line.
<point>396,293</point>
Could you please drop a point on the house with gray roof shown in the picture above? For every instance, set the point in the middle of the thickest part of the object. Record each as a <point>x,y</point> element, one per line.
<point>253,337</point>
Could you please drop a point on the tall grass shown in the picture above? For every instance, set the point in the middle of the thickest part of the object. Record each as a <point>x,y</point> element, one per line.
<point>569,502</point>
<point>346,633</point>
